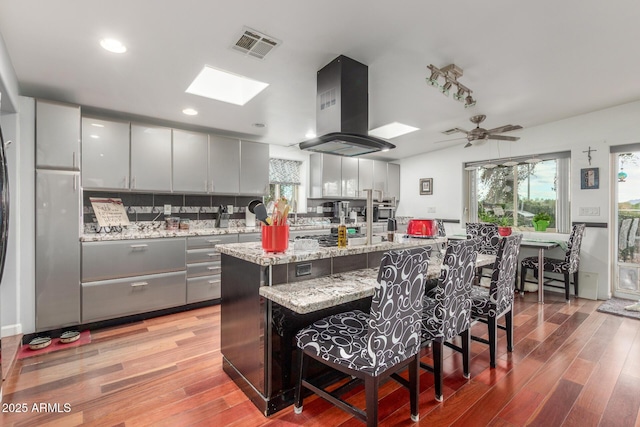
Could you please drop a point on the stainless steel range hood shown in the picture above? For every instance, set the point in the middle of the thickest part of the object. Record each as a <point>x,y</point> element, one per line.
<point>342,111</point>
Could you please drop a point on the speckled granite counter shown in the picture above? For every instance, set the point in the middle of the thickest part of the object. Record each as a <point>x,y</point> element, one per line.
<point>324,292</point>
<point>253,252</point>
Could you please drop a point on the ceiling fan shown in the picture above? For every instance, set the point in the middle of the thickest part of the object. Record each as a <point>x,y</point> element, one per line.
<point>479,135</point>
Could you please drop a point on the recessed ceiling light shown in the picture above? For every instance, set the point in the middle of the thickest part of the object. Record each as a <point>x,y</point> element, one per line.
<point>224,86</point>
<point>310,134</point>
<point>190,112</point>
<point>259,125</point>
<point>95,136</point>
<point>392,130</point>
<point>113,45</point>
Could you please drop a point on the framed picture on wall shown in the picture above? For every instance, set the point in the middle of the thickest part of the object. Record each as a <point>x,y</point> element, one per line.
<point>589,178</point>
<point>426,186</point>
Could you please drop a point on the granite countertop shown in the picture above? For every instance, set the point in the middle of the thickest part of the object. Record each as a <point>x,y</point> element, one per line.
<point>316,294</point>
<point>253,252</point>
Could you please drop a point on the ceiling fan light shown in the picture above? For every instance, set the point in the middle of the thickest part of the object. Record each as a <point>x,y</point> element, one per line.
<point>433,79</point>
<point>489,166</point>
<point>533,160</point>
<point>470,168</point>
<point>459,95</point>
<point>510,163</point>
<point>469,102</point>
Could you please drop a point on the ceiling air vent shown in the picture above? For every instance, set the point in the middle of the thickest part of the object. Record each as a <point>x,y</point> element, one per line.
<point>254,43</point>
<point>450,131</point>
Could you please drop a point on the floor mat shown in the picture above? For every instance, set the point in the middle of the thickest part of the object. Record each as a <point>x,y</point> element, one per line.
<point>617,306</point>
<point>25,351</point>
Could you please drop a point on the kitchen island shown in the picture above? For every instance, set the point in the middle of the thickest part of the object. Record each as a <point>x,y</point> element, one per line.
<point>260,313</point>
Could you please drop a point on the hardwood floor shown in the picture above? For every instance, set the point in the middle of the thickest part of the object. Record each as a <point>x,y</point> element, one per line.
<point>571,366</point>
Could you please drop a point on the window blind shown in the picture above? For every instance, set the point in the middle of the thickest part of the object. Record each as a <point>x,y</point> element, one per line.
<point>284,171</point>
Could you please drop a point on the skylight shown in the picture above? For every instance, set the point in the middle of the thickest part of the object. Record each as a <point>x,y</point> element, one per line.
<point>392,130</point>
<point>224,86</point>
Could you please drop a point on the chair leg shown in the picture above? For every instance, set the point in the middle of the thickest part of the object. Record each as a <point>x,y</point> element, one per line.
<point>302,363</point>
<point>493,337</point>
<point>566,286</point>
<point>414,386</point>
<point>437,368</point>
<point>575,283</point>
<point>371,392</point>
<point>466,352</point>
<point>523,273</point>
<point>508,320</point>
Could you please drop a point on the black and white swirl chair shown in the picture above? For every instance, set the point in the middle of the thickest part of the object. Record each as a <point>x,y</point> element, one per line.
<point>371,347</point>
<point>489,240</point>
<point>447,307</point>
<point>569,265</point>
<point>497,301</point>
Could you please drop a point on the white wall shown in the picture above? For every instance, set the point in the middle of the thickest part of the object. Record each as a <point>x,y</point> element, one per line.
<point>598,130</point>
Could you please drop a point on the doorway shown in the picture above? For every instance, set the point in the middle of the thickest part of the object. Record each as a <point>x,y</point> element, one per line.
<point>626,277</point>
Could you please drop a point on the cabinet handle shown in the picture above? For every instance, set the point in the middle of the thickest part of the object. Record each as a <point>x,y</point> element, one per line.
<point>212,255</point>
<point>212,282</point>
<point>75,183</point>
<point>212,187</point>
<point>213,241</point>
<point>73,160</point>
<point>206,185</point>
<point>213,268</point>
<point>138,284</point>
<point>133,182</point>
<point>124,181</point>
<point>140,246</point>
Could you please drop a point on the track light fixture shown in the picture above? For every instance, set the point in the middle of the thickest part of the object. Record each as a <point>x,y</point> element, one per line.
<point>450,75</point>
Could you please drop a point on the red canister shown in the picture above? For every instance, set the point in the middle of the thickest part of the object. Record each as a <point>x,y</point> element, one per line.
<point>275,238</point>
<point>422,227</point>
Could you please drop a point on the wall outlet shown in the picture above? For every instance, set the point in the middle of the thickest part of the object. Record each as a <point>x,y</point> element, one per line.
<point>167,210</point>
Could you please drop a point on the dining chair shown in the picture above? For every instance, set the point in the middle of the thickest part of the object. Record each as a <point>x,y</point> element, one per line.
<point>489,240</point>
<point>371,347</point>
<point>567,266</point>
<point>488,305</point>
<point>447,308</point>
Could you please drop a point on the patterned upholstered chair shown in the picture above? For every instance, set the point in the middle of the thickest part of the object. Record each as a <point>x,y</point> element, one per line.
<point>447,308</point>
<point>442,232</point>
<point>371,347</point>
<point>497,301</point>
<point>568,265</point>
<point>489,240</point>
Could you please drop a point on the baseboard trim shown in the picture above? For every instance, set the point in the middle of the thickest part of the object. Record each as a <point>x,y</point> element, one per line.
<point>10,330</point>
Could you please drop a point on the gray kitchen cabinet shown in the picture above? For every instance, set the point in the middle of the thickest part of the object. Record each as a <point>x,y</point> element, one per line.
<point>110,299</point>
<point>105,154</point>
<point>57,266</point>
<point>393,181</point>
<point>224,165</point>
<point>254,168</point>
<point>190,161</point>
<point>379,176</point>
<point>365,176</point>
<point>249,237</point>
<point>57,135</point>
<point>203,266</point>
<point>325,175</point>
<point>150,158</point>
<point>349,179</point>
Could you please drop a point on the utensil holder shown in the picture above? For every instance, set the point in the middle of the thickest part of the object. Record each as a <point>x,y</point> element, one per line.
<point>275,238</point>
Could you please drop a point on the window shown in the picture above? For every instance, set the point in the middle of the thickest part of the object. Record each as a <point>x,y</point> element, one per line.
<point>513,195</point>
<point>284,179</point>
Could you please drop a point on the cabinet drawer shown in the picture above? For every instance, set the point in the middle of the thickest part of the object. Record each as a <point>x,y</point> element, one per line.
<point>203,269</point>
<point>195,242</point>
<point>202,255</point>
<point>249,237</point>
<point>124,258</point>
<point>109,299</point>
<point>203,288</point>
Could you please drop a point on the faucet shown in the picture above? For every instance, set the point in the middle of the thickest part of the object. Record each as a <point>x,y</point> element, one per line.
<point>369,219</point>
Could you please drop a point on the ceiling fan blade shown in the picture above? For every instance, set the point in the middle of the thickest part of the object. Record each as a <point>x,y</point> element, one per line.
<point>467,145</point>
<point>451,140</point>
<point>505,128</point>
<point>504,137</point>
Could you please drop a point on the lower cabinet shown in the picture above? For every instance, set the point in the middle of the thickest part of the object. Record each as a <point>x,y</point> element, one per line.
<point>203,266</point>
<point>107,299</point>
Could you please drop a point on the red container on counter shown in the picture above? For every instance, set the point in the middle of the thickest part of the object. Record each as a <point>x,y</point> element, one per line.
<point>422,227</point>
<point>275,238</point>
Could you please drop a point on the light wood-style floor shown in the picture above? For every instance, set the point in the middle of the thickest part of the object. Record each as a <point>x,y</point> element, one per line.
<point>571,366</point>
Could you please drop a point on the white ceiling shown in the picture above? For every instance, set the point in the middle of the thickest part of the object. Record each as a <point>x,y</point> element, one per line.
<point>528,63</point>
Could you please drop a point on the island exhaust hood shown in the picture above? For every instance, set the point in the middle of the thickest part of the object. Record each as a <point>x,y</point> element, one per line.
<point>342,111</point>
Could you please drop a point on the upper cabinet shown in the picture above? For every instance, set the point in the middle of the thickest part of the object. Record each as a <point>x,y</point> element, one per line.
<point>224,165</point>
<point>105,154</point>
<point>380,175</point>
<point>150,158</point>
<point>254,168</point>
<point>326,175</point>
<point>365,176</point>
<point>190,161</point>
<point>58,136</point>
<point>349,177</point>
<point>393,181</point>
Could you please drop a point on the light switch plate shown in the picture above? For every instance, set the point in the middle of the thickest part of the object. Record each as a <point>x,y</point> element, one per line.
<point>167,210</point>
<point>589,211</point>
